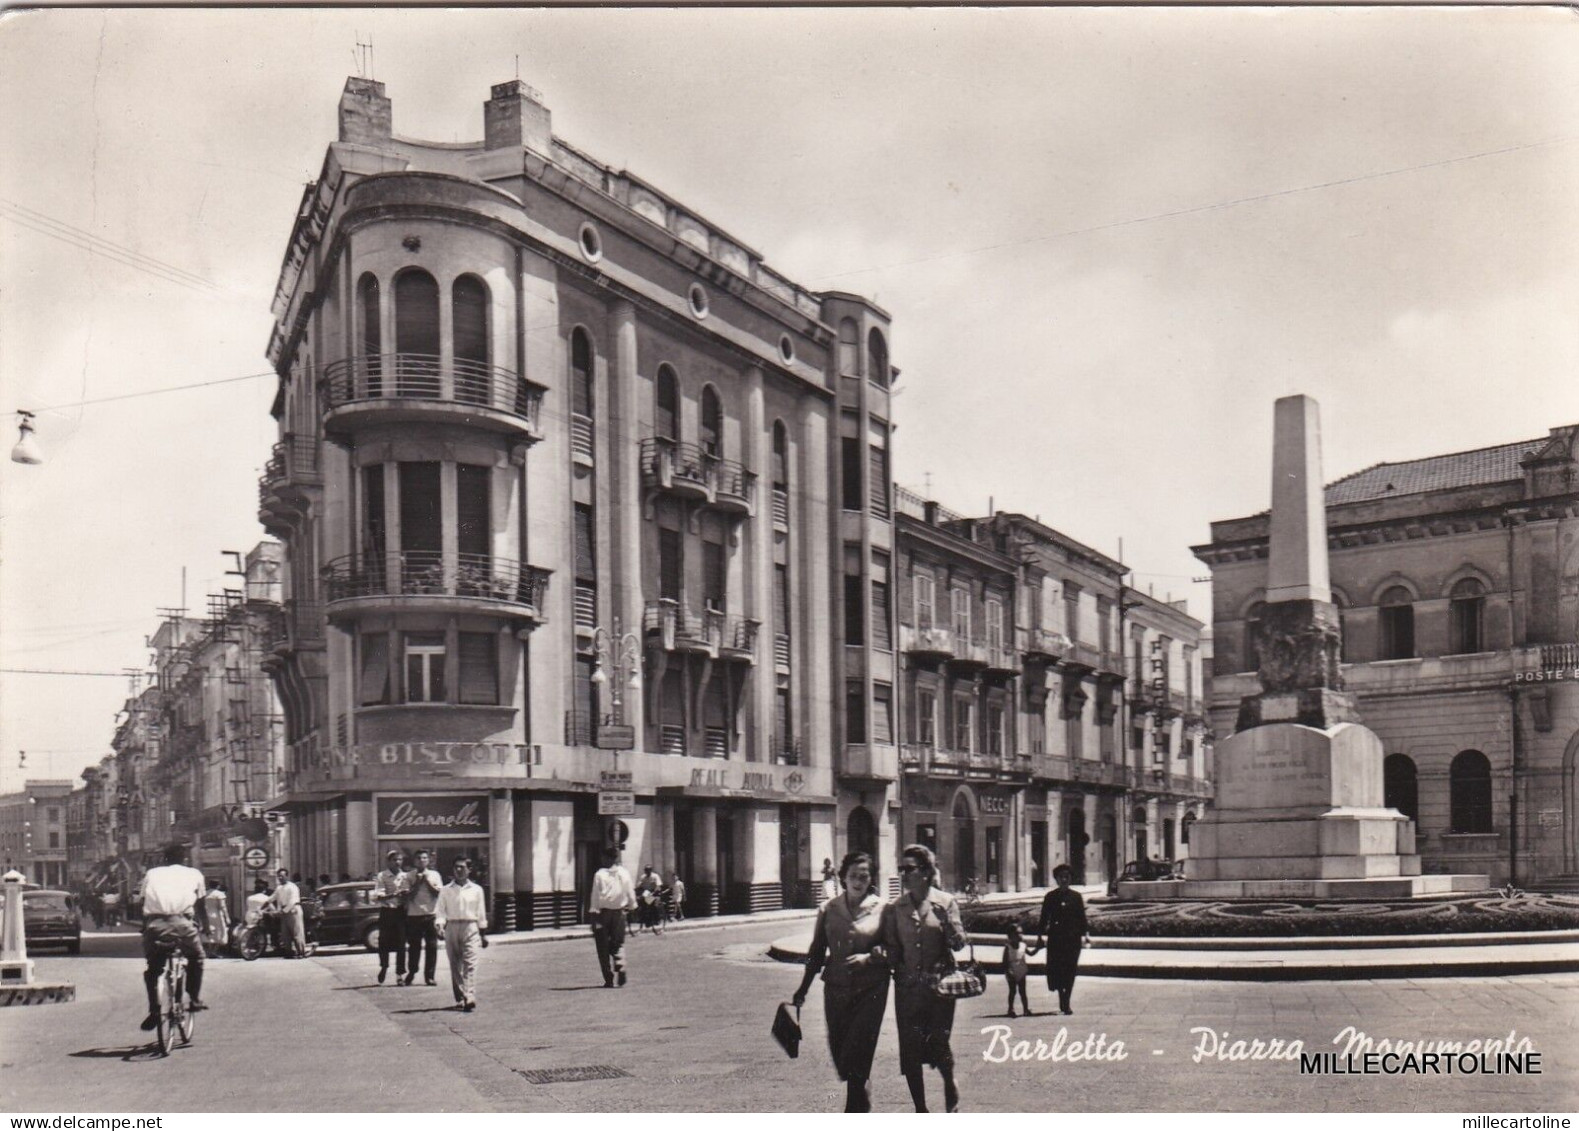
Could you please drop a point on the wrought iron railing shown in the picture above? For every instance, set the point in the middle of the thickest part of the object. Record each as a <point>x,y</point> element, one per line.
<point>733,483</point>
<point>420,376</point>
<point>580,728</point>
<point>786,751</point>
<point>669,463</point>
<point>416,573</point>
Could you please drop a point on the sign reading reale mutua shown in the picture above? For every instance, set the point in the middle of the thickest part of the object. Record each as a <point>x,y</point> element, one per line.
<point>430,815</point>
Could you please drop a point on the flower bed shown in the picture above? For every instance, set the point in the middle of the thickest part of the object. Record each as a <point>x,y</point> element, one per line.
<point>1469,914</point>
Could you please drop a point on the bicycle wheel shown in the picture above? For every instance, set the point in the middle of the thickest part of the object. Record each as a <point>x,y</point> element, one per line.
<point>184,1018</point>
<point>252,944</point>
<point>164,1028</point>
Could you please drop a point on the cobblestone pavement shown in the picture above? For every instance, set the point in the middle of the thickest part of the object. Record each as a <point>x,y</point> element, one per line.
<point>690,1032</point>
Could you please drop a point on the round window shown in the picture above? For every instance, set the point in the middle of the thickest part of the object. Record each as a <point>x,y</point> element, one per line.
<point>698,299</point>
<point>591,243</point>
<point>786,348</point>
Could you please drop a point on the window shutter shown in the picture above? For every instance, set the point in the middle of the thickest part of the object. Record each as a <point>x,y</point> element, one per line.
<point>375,667</point>
<point>479,668</point>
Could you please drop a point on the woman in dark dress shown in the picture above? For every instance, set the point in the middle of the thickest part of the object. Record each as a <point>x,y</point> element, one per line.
<point>921,931</point>
<point>1063,926</point>
<point>844,946</point>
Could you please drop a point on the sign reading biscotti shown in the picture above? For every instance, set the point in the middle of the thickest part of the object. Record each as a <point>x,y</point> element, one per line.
<point>430,815</point>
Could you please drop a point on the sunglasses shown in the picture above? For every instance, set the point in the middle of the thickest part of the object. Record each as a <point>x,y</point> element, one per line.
<point>903,868</point>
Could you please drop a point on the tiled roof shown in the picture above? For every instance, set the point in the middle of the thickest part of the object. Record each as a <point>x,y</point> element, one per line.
<point>1434,473</point>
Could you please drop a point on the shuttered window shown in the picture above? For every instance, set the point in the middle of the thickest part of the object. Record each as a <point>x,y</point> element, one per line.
<point>878,458</point>
<point>586,554</point>
<point>416,313</point>
<point>671,562</point>
<point>421,514</point>
<point>479,662</point>
<point>882,638</point>
<point>471,319</point>
<point>715,577</point>
<point>375,668</point>
<point>882,713</point>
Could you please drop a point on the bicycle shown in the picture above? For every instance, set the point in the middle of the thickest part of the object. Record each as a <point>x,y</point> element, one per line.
<point>175,1014</point>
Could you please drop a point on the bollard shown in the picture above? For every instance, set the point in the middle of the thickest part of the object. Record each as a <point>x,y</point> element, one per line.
<point>16,968</point>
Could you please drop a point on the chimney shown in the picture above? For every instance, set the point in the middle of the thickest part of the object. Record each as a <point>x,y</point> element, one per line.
<point>514,116</point>
<point>365,115</point>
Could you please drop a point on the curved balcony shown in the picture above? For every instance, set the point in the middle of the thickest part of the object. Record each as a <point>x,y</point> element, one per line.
<point>711,633</point>
<point>690,471</point>
<point>288,484</point>
<point>415,387</point>
<point>434,581</point>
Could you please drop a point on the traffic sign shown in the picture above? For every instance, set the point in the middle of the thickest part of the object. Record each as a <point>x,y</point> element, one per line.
<point>614,780</point>
<point>256,858</point>
<point>616,804</point>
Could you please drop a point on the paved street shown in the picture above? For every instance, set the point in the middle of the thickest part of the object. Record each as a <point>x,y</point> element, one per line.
<point>691,1033</point>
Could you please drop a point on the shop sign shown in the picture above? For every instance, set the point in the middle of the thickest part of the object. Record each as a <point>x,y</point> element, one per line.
<point>749,782</point>
<point>1550,818</point>
<point>314,757</point>
<point>1546,675</point>
<point>433,815</point>
<point>616,804</point>
<point>616,737</point>
<point>998,806</point>
<point>615,780</point>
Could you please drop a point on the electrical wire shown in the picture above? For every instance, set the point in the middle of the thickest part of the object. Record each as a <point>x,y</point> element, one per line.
<point>80,238</point>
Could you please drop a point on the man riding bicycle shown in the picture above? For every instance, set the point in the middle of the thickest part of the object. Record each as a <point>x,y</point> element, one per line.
<point>172,895</point>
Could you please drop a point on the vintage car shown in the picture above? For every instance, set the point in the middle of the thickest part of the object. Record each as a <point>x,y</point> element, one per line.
<point>348,915</point>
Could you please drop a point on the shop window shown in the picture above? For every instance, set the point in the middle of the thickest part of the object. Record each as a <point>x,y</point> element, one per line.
<point>425,682</point>
<point>1466,607</point>
<point>1469,785</point>
<point>479,664</point>
<point>1396,623</point>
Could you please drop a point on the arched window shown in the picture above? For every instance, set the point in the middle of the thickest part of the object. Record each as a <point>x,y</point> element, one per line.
<point>1185,826</point>
<point>849,347</point>
<point>1466,605</point>
<point>780,456</point>
<point>862,834</point>
<point>877,358</point>
<point>580,373</point>
<point>712,423</point>
<point>666,416</point>
<point>1396,622</point>
<point>964,842</point>
<point>1400,785</point>
<point>469,328</point>
<point>372,332</point>
<point>1252,651</point>
<point>417,314</point>
<point>1341,603</point>
<point>1469,793</point>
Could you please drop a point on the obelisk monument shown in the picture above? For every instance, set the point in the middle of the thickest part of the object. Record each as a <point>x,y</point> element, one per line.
<point>1298,810</point>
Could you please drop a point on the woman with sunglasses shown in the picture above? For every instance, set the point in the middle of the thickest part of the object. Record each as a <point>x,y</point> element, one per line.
<point>844,946</point>
<point>921,931</point>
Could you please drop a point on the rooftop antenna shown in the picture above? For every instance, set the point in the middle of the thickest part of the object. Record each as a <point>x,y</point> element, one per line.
<point>363,54</point>
<point>518,68</point>
<point>926,479</point>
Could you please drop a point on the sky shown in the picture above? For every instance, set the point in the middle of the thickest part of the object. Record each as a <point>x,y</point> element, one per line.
<point>1109,239</point>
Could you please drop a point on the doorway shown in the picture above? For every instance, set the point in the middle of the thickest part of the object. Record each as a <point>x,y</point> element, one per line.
<point>1077,840</point>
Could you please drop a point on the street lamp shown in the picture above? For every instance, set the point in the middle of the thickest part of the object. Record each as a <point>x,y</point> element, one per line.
<point>622,651</point>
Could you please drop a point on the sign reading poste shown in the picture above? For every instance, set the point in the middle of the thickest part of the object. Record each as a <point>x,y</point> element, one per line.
<point>432,815</point>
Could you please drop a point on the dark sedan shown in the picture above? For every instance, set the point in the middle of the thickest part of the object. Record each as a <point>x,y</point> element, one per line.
<point>348,915</point>
<point>50,918</point>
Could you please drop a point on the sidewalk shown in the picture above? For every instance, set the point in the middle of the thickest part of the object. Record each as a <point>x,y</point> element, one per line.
<point>715,922</point>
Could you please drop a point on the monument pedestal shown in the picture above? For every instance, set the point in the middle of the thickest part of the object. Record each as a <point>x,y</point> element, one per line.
<point>1299,814</point>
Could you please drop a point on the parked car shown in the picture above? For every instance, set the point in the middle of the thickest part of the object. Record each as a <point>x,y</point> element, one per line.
<point>50,918</point>
<point>348,916</point>
<point>1151,870</point>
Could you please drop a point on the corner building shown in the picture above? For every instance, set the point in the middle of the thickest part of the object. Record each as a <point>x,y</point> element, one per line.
<point>559,480</point>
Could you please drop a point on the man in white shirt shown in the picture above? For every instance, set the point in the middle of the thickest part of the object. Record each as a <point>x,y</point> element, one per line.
<point>171,896</point>
<point>287,902</point>
<point>612,895</point>
<point>462,916</point>
<point>421,900</point>
<point>390,889</point>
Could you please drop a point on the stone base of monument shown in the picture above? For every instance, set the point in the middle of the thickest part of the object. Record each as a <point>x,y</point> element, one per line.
<point>1299,815</point>
<point>37,993</point>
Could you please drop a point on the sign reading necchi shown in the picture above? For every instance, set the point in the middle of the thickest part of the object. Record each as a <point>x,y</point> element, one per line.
<point>432,816</point>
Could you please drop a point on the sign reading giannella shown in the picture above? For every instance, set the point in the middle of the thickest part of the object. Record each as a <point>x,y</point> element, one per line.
<point>429,815</point>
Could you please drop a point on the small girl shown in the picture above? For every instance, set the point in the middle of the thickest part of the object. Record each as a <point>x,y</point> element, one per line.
<point>1015,968</point>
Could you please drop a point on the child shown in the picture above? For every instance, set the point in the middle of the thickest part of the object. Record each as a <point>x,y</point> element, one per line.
<point>1015,968</point>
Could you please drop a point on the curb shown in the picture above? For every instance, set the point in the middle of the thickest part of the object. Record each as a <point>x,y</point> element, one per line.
<point>713,923</point>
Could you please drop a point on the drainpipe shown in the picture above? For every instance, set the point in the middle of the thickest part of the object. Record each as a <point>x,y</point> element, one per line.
<point>1513,792</point>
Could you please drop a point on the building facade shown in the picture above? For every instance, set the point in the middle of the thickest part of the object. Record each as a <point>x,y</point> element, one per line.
<point>1457,579</point>
<point>557,483</point>
<point>34,832</point>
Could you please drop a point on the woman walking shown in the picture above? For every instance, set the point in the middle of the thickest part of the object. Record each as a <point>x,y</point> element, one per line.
<point>1063,925</point>
<point>844,946</point>
<point>921,930</point>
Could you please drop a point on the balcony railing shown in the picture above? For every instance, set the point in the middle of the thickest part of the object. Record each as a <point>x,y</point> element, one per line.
<point>786,750</point>
<point>431,573</point>
<point>1086,655</point>
<point>933,641</point>
<point>1001,658</point>
<point>1559,656</point>
<point>387,377</point>
<point>1042,644</point>
<point>969,651</point>
<point>711,631</point>
<point>580,728</point>
<point>691,471</point>
<point>300,624</point>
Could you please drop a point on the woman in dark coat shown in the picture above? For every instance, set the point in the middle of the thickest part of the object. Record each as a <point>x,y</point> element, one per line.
<point>1064,927</point>
<point>844,946</point>
<point>921,931</point>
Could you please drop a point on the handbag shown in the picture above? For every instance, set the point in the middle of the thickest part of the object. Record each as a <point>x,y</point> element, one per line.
<point>786,1029</point>
<point>967,979</point>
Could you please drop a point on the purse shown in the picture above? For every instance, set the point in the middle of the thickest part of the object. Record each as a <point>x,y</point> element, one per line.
<point>967,979</point>
<point>786,1029</point>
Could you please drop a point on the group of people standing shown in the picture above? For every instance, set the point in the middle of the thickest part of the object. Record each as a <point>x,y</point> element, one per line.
<point>416,907</point>
<point>861,943</point>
